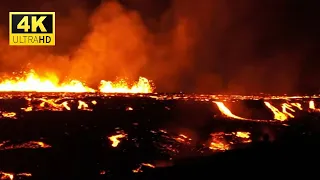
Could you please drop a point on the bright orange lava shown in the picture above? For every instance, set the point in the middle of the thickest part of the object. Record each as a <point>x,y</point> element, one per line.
<point>32,82</point>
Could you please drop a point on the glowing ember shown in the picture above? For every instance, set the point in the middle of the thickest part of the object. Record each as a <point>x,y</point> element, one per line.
<point>129,109</point>
<point>219,146</point>
<point>218,142</point>
<point>11,115</point>
<point>245,135</point>
<point>4,176</point>
<point>32,82</point>
<point>183,138</point>
<point>139,169</point>
<point>11,176</point>
<point>26,145</point>
<point>221,141</point>
<point>25,174</point>
<point>83,106</point>
<point>115,139</point>
<point>94,102</point>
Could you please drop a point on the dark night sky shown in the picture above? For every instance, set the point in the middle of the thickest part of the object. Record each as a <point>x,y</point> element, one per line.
<point>242,46</point>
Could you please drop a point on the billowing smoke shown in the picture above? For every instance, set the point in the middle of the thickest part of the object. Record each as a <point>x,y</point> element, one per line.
<point>199,46</point>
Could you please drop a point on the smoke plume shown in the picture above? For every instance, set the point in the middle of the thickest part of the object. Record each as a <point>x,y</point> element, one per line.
<point>213,46</point>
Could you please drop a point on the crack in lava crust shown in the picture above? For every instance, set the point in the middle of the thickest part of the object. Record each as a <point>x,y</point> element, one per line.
<point>283,108</point>
<point>50,114</point>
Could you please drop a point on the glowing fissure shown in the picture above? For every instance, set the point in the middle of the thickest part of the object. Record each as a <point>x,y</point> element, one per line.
<point>32,82</point>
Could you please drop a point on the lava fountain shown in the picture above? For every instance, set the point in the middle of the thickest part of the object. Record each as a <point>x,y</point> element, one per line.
<point>32,82</point>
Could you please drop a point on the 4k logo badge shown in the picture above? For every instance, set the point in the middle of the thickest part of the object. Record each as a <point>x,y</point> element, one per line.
<point>32,28</point>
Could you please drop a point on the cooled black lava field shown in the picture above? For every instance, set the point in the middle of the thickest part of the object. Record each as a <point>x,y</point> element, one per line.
<point>151,136</point>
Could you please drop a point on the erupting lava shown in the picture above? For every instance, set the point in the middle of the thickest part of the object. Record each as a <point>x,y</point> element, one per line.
<point>32,82</point>
<point>121,86</point>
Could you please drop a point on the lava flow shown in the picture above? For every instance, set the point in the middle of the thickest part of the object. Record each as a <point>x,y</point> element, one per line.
<point>32,82</point>
<point>224,110</point>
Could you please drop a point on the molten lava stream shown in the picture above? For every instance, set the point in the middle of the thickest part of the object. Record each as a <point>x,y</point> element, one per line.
<point>226,111</point>
<point>32,82</point>
<point>278,115</point>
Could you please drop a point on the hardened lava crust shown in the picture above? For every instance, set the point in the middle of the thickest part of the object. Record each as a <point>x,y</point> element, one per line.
<point>108,135</point>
